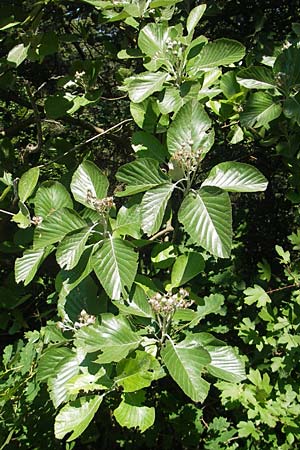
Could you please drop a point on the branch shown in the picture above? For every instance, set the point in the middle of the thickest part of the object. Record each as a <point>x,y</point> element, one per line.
<point>166,230</point>
<point>37,118</point>
<point>290,286</point>
<point>88,141</point>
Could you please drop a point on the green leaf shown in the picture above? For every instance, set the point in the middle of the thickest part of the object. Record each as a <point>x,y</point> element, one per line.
<point>256,295</point>
<point>140,176</point>
<point>221,52</point>
<point>115,264</point>
<point>113,337</point>
<point>137,304</point>
<point>256,77</point>
<point>18,54</point>
<point>286,68</point>
<point>152,39</point>
<point>186,267</point>
<point>193,18</point>
<point>206,216</point>
<point>153,207</point>
<point>145,84</point>
<point>27,266</point>
<point>57,106</point>
<point>64,371</point>
<point>225,362</point>
<point>51,196</point>
<point>291,108</point>
<point>51,360</point>
<point>22,218</point>
<point>131,414</point>
<point>128,220</point>
<point>185,362</point>
<point>67,280</point>
<point>56,226</point>
<point>76,416</point>
<point>147,146</point>
<point>72,246</point>
<point>138,371</point>
<point>236,177</point>
<point>190,128</point>
<point>259,110</point>
<point>88,179</point>
<point>229,85</point>
<point>27,183</point>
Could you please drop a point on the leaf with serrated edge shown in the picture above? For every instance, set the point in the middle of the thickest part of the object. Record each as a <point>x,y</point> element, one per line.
<point>138,371</point>
<point>115,264</point>
<point>56,226</point>
<point>51,196</point>
<point>88,179</point>
<point>70,249</point>
<point>236,177</point>
<point>225,362</point>
<point>132,414</point>
<point>27,183</point>
<point>114,337</point>
<point>153,207</point>
<point>145,84</point>
<point>206,216</point>
<point>185,362</point>
<point>76,416</point>
<point>140,175</point>
<point>27,266</point>
<point>217,53</point>
<point>190,129</point>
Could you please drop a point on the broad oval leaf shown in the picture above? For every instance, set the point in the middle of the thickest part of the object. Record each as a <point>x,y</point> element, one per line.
<point>138,371</point>
<point>206,217</point>
<point>236,177</point>
<point>56,226</point>
<point>145,84</point>
<point>88,181</point>
<point>221,52</point>
<point>27,183</point>
<point>185,362</point>
<point>27,266</point>
<point>194,17</point>
<point>259,110</point>
<point>76,416</point>
<point>152,39</point>
<point>114,338</point>
<point>190,129</point>
<point>18,54</point>
<point>186,267</point>
<point>225,362</point>
<point>153,207</point>
<point>72,246</point>
<point>132,414</point>
<point>51,196</point>
<point>140,175</point>
<point>115,264</point>
<point>256,77</point>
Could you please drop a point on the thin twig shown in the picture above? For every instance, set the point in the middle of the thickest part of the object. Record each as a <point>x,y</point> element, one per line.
<point>78,146</point>
<point>283,288</point>
<point>6,212</point>
<point>37,119</point>
<point>166,230</point>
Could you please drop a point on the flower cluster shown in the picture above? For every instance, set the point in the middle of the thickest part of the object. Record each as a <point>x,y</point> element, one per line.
<point>168,303</point>
<point>102,205</point>
<point>36,220</point>
<point>83,320</point>
<point>174,47</point>
<point>186,157</point>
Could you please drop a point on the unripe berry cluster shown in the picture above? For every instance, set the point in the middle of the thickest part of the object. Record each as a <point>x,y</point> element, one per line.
<point>168,303</point>
<point>186,157</point>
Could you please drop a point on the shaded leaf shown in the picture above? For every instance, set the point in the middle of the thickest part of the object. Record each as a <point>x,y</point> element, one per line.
<point>259,110</point>
<point>27,183</point>
<point>186,267</point>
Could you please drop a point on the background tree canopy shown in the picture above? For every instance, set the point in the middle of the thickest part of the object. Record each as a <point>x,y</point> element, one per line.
<point>149,224</point>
